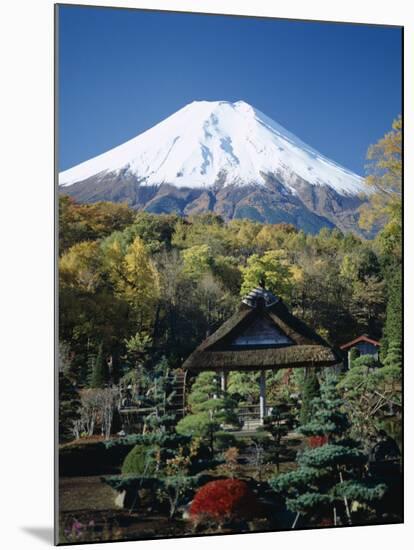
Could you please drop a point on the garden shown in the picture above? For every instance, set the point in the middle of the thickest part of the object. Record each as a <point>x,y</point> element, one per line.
<point>308,465</point>
<point>147,449</point>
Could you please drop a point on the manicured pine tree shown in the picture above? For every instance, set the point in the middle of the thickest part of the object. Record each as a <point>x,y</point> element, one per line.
<point>158,382</point>
<point>159,441</point>
<point>278,424</point>
<point>209,410</point>
<point>161,460</point>
<point>394,355</point>
<point>330,477</point>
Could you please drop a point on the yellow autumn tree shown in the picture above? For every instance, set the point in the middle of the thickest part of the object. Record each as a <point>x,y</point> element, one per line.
<point>272,236</point>
<point>384,177</point>
<point>245,232</point>
<point>81,266</point>
<point>134,275</point>
<point>140,281</point>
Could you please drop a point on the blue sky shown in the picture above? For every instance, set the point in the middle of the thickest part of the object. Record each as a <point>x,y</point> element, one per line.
<point>336,86</point>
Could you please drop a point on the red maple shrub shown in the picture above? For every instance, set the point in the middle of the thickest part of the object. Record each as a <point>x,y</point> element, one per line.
<point>317,441</point>
<point>223,500</point>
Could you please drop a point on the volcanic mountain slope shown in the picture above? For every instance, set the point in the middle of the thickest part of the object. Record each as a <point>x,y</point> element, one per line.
<point>224,157</point>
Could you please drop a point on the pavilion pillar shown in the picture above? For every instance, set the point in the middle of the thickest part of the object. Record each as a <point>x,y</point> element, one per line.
<point>223,381</point>
<point>262,401</point>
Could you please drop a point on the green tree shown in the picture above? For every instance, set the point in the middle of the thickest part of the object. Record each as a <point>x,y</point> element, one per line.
<point>394,355</point>
<point>89,222</point>
<point>272,270</point>
<point>137,354</point>
<point>370,391</point>
<point>353,355</point>
<point>100,374</point>
<point>278,424</point>
<point>226,269</point>
<point>329,477</point>
<point>309,391</point>
<point>244,386</point>
<point>393,323</point>
<point>156,230</point>
<point>142,460</point>
<point>161,464</point>
<point>158,381</point>
<point>208,410</point>
<point>69,407</point>
<point>273,236</point>
<point>244,234</point>
<point>197,260</point>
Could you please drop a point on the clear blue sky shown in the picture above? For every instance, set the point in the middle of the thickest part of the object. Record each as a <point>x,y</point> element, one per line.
<point>336,86</point>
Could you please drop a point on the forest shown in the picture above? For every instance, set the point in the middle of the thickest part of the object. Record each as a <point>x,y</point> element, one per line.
<point>138,292</point>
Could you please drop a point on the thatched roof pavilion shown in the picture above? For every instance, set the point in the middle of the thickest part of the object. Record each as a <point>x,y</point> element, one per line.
<point>262,335</point>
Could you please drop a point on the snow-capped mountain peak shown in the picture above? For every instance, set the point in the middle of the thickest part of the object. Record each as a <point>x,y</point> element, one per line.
<point>211,142</point>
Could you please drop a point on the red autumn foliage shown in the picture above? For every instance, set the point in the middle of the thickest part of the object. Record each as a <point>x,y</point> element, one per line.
<point>317,441</point>
<point>224,499</point>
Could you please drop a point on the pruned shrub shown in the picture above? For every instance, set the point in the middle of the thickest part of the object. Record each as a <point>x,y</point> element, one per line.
<point>141,460</point>
<point>222,501</point>
<point>223,440</point>
<point>365,361</point>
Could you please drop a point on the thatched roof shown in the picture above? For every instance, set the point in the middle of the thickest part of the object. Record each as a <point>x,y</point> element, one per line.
<point>262,334</point>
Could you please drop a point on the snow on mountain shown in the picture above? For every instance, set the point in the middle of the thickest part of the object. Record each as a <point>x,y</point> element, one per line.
<point>207,142</point>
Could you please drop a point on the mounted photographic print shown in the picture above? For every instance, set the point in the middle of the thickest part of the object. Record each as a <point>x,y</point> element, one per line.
<point>229,195</point>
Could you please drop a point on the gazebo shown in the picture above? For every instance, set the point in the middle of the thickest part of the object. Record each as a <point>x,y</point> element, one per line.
<point>261,335</point>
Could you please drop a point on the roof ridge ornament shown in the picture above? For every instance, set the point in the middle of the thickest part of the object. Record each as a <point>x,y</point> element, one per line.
<point>260,297</point>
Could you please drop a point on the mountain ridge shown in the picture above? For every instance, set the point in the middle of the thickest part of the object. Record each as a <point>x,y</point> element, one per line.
<point>224,157</point>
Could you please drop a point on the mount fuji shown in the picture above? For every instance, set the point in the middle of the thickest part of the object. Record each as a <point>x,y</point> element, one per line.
<point>224,157</point>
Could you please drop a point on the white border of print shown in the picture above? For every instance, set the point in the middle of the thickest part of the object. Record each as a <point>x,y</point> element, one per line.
<point>26,286</point>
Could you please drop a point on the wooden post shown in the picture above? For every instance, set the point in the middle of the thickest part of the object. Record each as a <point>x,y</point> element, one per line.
<point>223,381</point>
<point>262,395</point>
